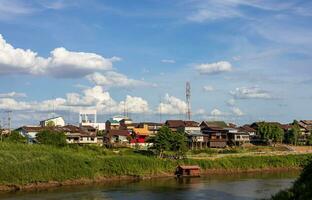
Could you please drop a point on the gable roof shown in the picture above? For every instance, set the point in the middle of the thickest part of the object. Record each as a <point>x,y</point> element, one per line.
<point>216,124</point>
<point>175,123</point>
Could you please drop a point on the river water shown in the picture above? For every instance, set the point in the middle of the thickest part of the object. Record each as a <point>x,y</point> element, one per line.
<point>243,186</point>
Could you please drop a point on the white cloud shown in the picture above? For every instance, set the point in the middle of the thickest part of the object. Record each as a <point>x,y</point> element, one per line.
<point>12,95</point>
<point>250,93</point>
<point>236,111</point>
<point>231,102</point>
<point>61,63</point>
<point>210,10</point>
<point>217,112</point>
<point>171,61</point>
<point>91,98</point>
<point>214,68</point>
<point>172,105</point>
<point>114,79</point>
<point>208,88</point>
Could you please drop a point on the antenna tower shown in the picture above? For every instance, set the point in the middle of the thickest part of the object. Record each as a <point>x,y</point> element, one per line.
<point>188,100</point>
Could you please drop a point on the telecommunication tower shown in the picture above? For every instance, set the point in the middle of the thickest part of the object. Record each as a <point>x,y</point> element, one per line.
<point>188,100</point>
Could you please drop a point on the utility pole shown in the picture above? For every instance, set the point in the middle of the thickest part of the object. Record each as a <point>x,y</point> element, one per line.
<point>188,100</point>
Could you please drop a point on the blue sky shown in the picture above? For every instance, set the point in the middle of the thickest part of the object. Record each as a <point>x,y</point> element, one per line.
<point>246,60</point>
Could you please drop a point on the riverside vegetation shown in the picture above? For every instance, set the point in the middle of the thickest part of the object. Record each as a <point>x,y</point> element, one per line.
<point>22,164</point>
<point>52,160</point>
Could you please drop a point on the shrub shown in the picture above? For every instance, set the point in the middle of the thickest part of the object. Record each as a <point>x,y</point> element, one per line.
<point>51,138</point>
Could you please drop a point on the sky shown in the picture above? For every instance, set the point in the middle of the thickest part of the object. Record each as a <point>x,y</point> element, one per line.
<point>246,60</point>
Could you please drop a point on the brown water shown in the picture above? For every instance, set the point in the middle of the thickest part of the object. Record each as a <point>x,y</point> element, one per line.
<point>246,186</point>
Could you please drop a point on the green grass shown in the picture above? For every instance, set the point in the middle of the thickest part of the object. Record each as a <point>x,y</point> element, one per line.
<point>23,164</point>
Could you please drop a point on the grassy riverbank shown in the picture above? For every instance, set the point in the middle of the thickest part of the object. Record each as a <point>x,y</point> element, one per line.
<point>22,164</point>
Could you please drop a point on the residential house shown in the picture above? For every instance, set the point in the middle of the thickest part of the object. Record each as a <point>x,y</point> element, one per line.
<point>54,121</point>
<point>78,135</point>
<point>112,124</point>
<point>175,125</point>
<point>115,138</point>
<point>237,138</point>
<point>29,132</point>
<point>153,127</point>
<point>216,132</point>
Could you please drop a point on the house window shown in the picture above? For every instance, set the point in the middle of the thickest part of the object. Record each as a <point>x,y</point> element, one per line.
<point>92,139</point>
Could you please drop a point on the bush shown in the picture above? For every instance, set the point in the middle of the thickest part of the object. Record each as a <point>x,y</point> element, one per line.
<point>16,137</point>
<point>51,138</point>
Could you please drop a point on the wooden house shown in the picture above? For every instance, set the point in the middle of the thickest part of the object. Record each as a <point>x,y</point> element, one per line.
<point>188,171</point>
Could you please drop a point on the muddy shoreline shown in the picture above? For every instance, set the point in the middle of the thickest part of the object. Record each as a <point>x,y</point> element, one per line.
<point>85,181</point>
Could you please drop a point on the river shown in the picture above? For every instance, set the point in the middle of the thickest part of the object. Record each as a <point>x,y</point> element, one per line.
<point>243,186</point>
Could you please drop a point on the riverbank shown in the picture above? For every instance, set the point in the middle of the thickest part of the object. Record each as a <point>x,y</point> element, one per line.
<point>39,167</point>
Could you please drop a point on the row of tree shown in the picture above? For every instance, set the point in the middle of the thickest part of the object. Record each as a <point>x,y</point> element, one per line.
<point>273,132</point>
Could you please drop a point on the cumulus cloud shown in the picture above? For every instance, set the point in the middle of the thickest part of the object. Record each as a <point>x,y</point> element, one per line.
<point>208,88</point>
<point>114,79</point>
<point>251,93</point>
<point>217,112</point>
<point>236,111</point>
<point>214,68</point>
<point>12,95</point>
<point>60,63</point>
<point>171,61</point>
<point>91,98</point>
<point>231,102</point>
<point>172,105</point>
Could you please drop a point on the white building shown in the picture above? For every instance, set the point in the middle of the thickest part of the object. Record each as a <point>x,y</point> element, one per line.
<point>54,121</point>
<point>88,118</point>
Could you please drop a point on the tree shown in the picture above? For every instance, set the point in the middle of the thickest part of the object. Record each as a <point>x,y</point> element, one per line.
<point>162,140</point>
<point>50,137</point>
<point>50,124</point>
<point>292,135</point>
<point>166,140</point>
<point>270,131</point>
<point>16,137</point>
<point>179,143</point>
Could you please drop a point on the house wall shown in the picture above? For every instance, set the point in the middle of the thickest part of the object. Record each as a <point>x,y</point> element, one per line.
<point>59,121</point>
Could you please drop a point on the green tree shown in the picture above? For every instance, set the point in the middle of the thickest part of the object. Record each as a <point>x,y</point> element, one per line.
<point>293,134</point>
<point>50,137</point>
<point>50,124</point>
<point>16,137</point>
<point>162,141</point>
<point>309,139</point>
<point>179,143</point>
<point>166,140</point>
<point>270,132</point>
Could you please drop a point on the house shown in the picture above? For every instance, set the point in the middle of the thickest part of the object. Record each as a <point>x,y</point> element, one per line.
<point>188,171</point>
<point>152,127</point>
<point>78,135</point>
<point>238,138</point>
<point>127,123</point>
<point>175,125</point>
<point>30,132</point>
<point>54,121</point>
<point>112,124</point>
<point>73,134</point>
<point>246,128</point>
<point>216,132</point>
<point>117,138</point>
<point>305,127</point>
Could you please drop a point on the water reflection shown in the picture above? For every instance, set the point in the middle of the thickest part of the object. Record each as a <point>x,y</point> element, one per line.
<point>247,186</point>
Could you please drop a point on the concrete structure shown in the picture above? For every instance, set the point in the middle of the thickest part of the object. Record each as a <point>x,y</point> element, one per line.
<point>54,121</point>
<point>89,118</point>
